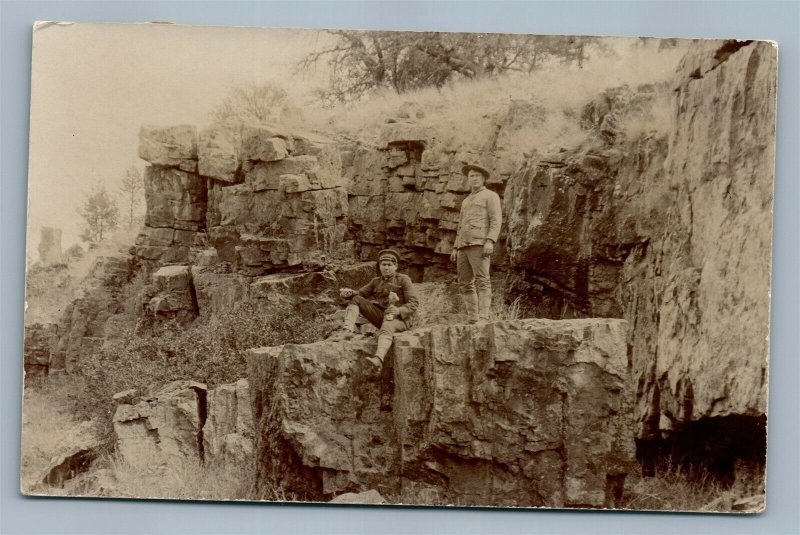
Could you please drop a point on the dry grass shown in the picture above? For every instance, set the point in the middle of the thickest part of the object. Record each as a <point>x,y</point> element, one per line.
<point>45,424</point>
<point>673,489</point>
<point>437,304</point>
<point>179,478</point>
<point>440,304</point>
<point>464,113</point>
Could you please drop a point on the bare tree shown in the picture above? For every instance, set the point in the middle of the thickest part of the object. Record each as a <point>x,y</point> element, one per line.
<point>253,103</point>
<point>100,214</point>
<point>132,189</point>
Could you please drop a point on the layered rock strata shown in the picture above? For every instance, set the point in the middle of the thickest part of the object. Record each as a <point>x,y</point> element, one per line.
<point>252,197</point>
<point>519,413</point>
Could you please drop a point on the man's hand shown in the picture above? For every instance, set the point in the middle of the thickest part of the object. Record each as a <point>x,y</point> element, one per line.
<point>488,248</point>
<point>346,293</point>
<point>391,309</point>
<point>454,255</point>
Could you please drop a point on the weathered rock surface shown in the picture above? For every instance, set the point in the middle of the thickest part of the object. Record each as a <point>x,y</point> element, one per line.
<point>527,413</point>
<point>218,153</point>
<point>101,296</point>
<point>317,419</point>
<point>668,226</point>
<point>185,420</point>
<point>172,294</point>
<point>712,339</point>
<point>228,430</point>
<point>168,425</point>
<point>172,146</point>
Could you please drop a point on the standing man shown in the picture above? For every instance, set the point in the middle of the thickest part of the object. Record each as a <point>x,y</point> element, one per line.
<point>478,229</point>
<point>387,301</point>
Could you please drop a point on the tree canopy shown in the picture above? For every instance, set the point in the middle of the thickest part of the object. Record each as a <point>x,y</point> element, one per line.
<point>132,189</point>
<point>362,61</point>
<point>100,214</point>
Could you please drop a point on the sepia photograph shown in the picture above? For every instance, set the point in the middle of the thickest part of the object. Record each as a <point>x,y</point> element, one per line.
<point>398,268</point>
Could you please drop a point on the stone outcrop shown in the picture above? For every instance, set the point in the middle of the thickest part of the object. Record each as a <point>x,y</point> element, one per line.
<point>520,413</point>
<point>667,225</point>
<point>634,222</point>
<point>253,197</point>
<point>184,420</point>
<point>260,199</point>
<point>173,294</point>
<point>83,326</point>
<point>167,425</point>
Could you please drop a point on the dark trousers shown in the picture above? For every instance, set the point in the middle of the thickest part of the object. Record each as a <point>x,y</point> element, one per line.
<point>374,314</point>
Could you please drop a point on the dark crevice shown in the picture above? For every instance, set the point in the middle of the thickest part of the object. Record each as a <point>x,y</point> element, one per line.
<point>202,415</point>
<point>193,293</point>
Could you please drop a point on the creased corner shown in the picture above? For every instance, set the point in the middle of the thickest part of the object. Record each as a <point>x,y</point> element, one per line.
<point>42,24</point>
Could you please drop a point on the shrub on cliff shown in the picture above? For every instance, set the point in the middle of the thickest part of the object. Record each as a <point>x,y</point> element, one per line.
<point>211,350</point>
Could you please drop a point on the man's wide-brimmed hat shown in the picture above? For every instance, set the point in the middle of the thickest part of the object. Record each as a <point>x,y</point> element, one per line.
<point>389,254</point>
<point>475,167</point>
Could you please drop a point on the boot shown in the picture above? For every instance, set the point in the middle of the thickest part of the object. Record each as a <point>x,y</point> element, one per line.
<point>348,329</point>
<point>384,343</point>
<point>484,304</point>
<point>471,304</point>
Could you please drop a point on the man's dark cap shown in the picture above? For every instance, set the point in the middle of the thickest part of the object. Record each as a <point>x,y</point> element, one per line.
<point>389,254</point>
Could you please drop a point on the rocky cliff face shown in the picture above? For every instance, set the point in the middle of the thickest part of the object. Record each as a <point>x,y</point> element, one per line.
<point>520,413</point>
<point>96,313</point>
<point>670,230</point>
<point>663,218</point>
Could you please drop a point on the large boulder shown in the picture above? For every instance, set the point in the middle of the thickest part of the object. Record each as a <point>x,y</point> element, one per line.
<point>172,294</point>
<point>320,422</point>
<point>167,425</point>
<point>520,413</point>
<point>172,146</point>
<point>219,153</point>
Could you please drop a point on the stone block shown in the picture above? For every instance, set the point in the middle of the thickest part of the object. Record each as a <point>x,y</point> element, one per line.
<point>218,152</point>
<point>168,146</point>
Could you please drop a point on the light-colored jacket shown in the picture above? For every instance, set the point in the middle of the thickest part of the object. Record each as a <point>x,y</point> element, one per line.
<point>480,220</point>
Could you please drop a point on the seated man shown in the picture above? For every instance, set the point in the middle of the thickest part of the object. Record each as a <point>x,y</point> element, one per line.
<point>388,302</point>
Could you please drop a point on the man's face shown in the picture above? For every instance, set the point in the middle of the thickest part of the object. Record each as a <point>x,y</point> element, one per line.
<point>388,268</point>
<point>475,179</point>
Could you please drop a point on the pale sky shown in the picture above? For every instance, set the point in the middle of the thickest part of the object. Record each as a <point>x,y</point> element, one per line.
<point>94,85</point>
